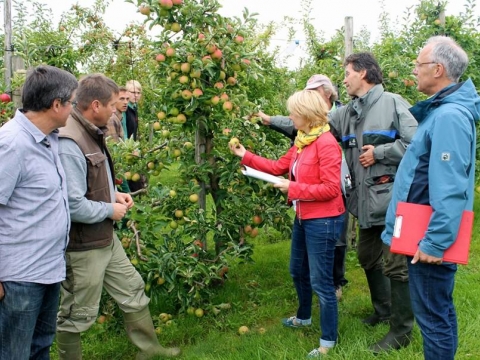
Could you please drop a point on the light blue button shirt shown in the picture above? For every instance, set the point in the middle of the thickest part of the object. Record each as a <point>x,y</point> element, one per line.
<point>34,217</point>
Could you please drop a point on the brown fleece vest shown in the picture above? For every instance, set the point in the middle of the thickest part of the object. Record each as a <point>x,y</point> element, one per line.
<point>91,142</point>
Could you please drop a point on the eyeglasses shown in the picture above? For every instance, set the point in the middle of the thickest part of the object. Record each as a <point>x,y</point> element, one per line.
<point>418,64</point>
<point>74,103</point>
<point>136,92</point>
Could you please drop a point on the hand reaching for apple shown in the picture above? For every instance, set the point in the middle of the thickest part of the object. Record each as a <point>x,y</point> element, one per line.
<point>265,118</point>
<point>236,148</point>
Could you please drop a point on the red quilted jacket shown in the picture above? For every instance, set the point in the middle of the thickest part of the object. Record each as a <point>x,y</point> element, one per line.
<point>316,186</point>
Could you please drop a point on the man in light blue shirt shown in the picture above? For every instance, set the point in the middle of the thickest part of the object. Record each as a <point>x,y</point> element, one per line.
<point>34,217</point>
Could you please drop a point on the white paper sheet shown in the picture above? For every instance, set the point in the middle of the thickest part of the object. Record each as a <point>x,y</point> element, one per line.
<point>248,171</point>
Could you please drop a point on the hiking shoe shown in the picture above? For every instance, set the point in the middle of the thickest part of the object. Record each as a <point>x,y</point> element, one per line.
<point>293,322</point>
<point>316,353</point>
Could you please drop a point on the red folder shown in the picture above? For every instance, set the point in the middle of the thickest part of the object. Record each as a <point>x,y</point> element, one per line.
<point>411,223</point>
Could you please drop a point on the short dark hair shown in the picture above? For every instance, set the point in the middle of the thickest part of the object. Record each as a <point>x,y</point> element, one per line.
<point>95,87</point>
<point>44,84</point>
<point>366,61</point>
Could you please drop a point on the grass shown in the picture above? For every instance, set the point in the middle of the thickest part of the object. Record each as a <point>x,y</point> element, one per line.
<point>261,293</point>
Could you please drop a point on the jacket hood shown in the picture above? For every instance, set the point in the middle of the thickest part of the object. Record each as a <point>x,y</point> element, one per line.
<point>463,94</point>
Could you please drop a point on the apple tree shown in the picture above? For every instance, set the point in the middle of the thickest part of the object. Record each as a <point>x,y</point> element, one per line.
<point>207,70</point>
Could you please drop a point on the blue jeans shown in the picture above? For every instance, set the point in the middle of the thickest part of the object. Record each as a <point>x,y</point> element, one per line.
<point>311,267</point>
<point>431,292</point>
<point>28,314</point>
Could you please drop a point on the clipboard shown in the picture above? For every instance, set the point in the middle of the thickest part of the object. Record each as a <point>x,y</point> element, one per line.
<point>411,223</point>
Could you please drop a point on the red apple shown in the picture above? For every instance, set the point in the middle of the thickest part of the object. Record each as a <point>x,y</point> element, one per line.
<point>257,219</point>
<point>231,81</point>
<point>185,67</point>
<point>215,100</point>
<point>170,52</point>
<point>197,92</point>
<point>145,10</point>
<point>5,98</point>
<point>227,106</point>
<point>238,39</point>
<point>186,94</point>
<point>211,48</point>
<point>183,79</point>
<point>160,58</point>
<point>217,54</point>
<point>165,4</point>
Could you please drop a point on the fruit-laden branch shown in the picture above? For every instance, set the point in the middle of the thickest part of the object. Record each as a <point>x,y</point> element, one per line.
<point>137,242</point>
<point>219,255</point>
<point>159,147</point>
<point>140,191</point>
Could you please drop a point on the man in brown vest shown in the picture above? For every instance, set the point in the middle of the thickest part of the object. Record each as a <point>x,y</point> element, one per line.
<point>95,256</point>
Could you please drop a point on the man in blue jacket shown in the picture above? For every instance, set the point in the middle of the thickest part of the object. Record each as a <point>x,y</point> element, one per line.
<point>438,169</point>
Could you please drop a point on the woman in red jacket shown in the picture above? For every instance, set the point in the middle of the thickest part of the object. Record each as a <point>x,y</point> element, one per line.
<point>313,188</point>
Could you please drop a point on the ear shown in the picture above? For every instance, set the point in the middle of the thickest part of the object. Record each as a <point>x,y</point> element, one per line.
<point>440,71</point>
<point>363,74</point>
<point>95,105</point>
<point>56,105</point>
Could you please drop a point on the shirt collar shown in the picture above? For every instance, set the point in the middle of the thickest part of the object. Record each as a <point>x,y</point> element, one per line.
<point>34,131</point>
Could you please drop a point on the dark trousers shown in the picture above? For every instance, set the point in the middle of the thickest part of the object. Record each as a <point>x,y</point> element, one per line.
<point>340,256</point>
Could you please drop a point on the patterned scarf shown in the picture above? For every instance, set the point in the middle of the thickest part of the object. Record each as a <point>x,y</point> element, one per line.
<point>304,139</point>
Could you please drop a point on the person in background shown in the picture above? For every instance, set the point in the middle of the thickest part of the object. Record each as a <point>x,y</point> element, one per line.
<point>117,124</point>
<point>135,89</point>
<point>375,129</point>
<point>117,128</point>
<point>284,125</point>
<point>34,217</point>
<point>438,169</point>
<point>95,256</point>
<point>313,187</point>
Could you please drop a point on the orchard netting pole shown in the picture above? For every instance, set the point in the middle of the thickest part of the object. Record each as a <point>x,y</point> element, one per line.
<point>348,36</point>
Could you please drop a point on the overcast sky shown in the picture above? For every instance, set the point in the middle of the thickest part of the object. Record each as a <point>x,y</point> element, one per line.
<point>327,15</point>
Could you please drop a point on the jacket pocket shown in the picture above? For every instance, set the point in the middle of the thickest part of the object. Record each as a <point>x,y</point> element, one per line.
<point>309,171</point>
<point>96,159</point>
<point>379,194</point>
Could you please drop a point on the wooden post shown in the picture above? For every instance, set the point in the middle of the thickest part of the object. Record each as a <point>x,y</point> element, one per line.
<point>200,149</point>
<point>352,221</point>
<point>18,67</point>
<point>441,17</point>
<point>8,44</point>
<point>348,35</point>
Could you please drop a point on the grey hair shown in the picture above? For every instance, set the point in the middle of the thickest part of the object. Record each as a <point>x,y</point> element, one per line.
<point>447,52</point>
<point>332,91</point>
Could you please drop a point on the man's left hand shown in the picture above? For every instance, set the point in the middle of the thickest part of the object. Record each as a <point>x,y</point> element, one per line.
<point>125,199</point>
<point>424,258</point>
<point>367,159</point>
